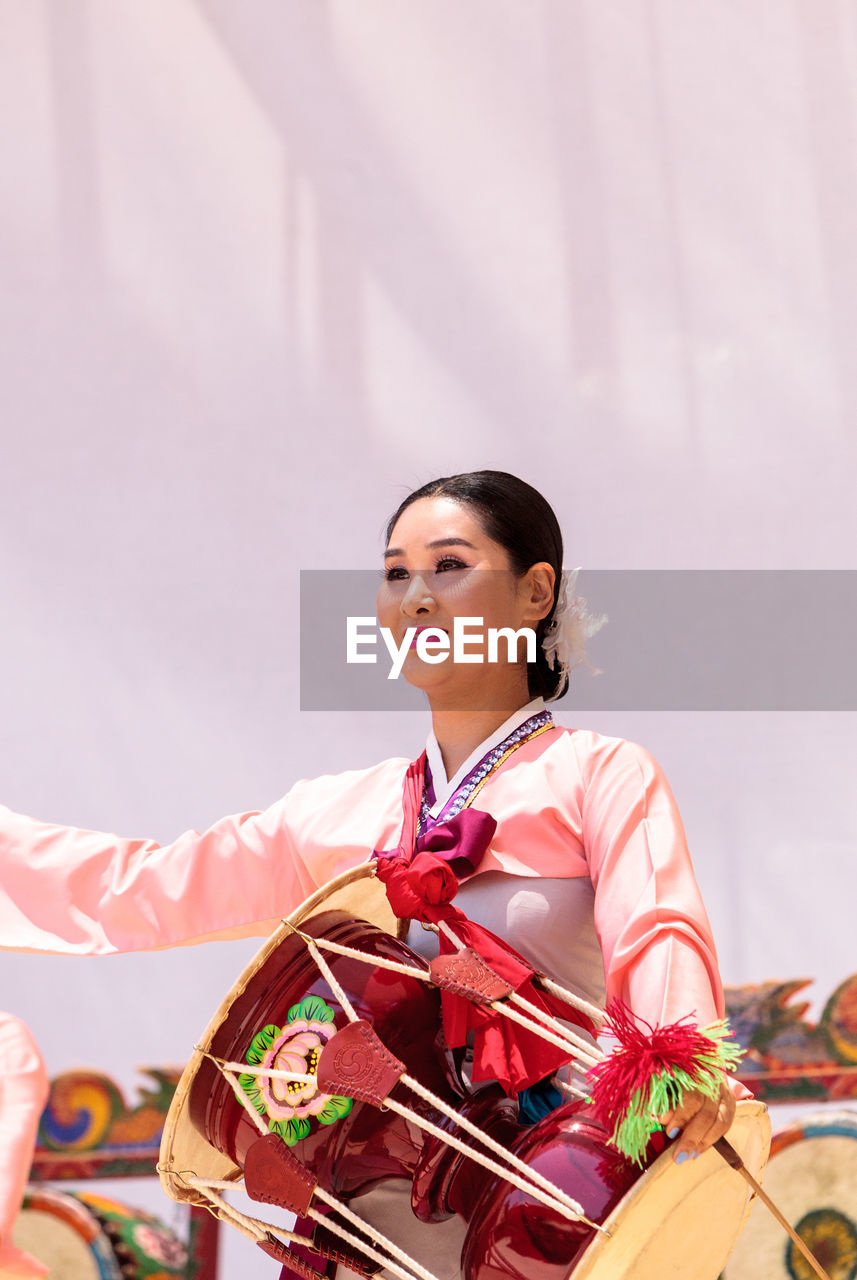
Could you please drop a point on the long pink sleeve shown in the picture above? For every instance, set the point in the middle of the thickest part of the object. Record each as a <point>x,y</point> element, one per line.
<point>23,1094</point>
<point>68,890</point>
<point>570,803</point>
<point>659,954</point>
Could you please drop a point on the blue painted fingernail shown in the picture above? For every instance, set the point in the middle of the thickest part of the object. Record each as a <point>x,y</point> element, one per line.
<point>682,1156</point>
<point>673,1133</point>
<point>694,1154</point>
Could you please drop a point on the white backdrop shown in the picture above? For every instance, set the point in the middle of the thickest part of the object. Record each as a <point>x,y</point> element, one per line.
<point>267,264</point>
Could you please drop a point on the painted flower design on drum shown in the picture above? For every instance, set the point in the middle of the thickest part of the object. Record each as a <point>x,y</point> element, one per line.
<point>160,1246</point>
<point>291,1105</point>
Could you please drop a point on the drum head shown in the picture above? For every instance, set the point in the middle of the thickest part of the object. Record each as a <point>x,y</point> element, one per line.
<point>812,1178</point>
<point>683,1220</point>
<point>183,1149</point>
<point>85,1237</point>
<point>62,1233</point>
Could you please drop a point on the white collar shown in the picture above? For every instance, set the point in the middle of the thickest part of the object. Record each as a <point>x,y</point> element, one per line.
<point>443,787</point>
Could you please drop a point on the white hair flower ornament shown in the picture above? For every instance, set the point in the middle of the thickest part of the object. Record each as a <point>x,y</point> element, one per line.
<point>564,641</point>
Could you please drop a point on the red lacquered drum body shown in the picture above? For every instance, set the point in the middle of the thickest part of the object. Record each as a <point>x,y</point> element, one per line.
<point>351,1152</point>
<point>514,1237</point>
<point>660,1220</point>
<point>510,1234</point>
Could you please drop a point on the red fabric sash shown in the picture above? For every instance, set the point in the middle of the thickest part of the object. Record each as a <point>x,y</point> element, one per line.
<point>420,884</point>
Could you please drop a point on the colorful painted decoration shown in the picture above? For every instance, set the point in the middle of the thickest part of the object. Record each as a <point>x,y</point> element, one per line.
<point>789,1058</point>
<point>88,1130</point>
<point>290,1106</point>
<point>87,1237</point>
<point>839,1022</point>
<point>828,1234</point>
<point>139,1239</point>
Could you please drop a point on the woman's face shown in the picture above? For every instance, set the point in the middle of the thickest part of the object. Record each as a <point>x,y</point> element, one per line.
<point>440,565</point>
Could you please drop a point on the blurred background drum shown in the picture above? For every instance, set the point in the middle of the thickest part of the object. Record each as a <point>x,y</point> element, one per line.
<point>812,1177</point>
<point>85,1237</point>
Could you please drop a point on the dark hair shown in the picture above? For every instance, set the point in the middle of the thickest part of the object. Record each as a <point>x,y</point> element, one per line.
<point>515,515</point>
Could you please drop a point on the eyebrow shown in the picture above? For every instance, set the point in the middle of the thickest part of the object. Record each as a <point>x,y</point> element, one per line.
<point>431,546</point>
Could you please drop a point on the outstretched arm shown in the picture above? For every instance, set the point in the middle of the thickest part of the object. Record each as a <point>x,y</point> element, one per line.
<point>67,890</point>
<point>88,892</point>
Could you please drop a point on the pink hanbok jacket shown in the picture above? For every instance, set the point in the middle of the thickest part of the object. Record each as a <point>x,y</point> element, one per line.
<point>569,804</point>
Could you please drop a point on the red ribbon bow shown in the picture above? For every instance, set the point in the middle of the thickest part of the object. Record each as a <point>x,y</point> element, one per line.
<point>421,884</point>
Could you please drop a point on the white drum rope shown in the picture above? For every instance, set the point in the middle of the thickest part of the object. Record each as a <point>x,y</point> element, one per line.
<point>247,1069</point>
<point>555,1197</point>
<point>250,1227</point>
<point>353,953</point>
<point>585,1048</point>
<point>545,1033</point>
<point>397,966</point>
<point>243,1099</point>
<point>542,1024</point>
<point>546,1023</point>
<point>531,1185</point>
<point>372,1232</point>
<point>579,1095</point>
<point>257,1229</point>
<point>591,1010</point>
<point>576,1002</point>
<point>555,1194</point>
<point>329,977</point>
<point>569,1089</point>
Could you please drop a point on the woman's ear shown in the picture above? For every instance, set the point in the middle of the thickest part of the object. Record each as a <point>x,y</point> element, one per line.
<point>537,587</point>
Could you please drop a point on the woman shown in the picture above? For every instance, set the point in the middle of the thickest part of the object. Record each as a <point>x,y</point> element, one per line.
<point>487,545</point>
<point>587,872</point>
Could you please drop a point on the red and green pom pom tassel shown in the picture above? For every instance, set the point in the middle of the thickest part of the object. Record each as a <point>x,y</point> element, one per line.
<point>650,1071</point>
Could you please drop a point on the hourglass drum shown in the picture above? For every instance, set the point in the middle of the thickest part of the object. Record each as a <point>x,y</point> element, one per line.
<point>324,1074</point>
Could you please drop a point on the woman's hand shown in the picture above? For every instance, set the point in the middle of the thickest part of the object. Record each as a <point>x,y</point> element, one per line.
<point>699,1121</point>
